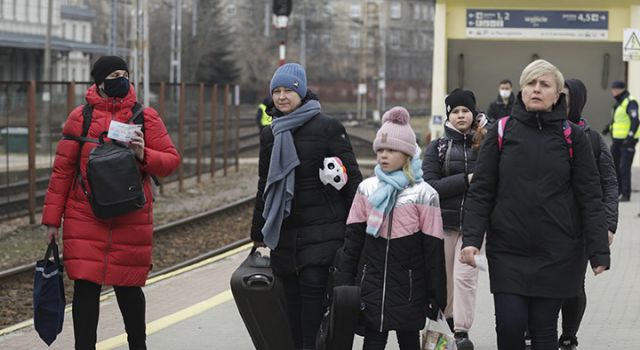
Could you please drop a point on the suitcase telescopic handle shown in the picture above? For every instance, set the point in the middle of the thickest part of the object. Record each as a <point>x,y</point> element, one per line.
<point>259,280</point>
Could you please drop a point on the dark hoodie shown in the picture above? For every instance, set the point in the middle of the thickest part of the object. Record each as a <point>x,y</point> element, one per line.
<point>604,160</point>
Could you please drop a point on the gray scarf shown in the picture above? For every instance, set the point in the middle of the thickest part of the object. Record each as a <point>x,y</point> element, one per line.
<point>278,192</point>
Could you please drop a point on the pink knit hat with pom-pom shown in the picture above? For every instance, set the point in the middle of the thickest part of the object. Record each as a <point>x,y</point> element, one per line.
<point>396,132</point>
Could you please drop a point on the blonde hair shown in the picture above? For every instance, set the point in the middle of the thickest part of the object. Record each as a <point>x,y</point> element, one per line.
<point>406,169</point>
<point>538,68</point>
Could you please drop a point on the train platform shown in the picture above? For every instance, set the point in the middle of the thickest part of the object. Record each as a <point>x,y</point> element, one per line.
<point>193,308</point>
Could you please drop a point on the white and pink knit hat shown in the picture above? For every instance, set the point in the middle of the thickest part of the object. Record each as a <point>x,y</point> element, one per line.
<point>396,132</point>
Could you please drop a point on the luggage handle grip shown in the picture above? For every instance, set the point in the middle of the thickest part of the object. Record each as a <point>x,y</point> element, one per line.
<point>258,280</point>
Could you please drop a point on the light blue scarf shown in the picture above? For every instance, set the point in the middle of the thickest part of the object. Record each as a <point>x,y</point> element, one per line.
<point>384,198</point>
<point>279,190</point>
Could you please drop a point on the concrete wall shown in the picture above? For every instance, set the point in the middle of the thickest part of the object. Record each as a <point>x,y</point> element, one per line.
<point>485,63</point>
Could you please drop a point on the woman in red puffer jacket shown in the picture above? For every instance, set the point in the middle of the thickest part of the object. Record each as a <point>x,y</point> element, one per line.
<point>115,251</point>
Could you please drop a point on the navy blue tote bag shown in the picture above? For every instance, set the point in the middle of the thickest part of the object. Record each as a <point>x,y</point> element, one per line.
<point>48,296</point>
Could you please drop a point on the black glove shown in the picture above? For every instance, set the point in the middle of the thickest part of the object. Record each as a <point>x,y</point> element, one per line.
<point>432,309</point>
<point>606,130</point>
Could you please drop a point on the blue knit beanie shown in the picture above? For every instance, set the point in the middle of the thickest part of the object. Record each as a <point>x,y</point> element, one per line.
<point>291,76</point>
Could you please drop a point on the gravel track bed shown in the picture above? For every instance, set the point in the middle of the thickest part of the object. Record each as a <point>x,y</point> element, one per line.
<point>170,248</point>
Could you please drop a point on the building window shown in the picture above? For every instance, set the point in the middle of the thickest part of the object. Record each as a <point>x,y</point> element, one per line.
<point>395,10</point>
<point>427,12</point>
<point>416,11</point>
<point>63,74</point>
<point>73,74</point>
<point>84,33</point>
<point>64,30</point>
<point>327,11</point>
<point>356,11</point>
<point>231,10</point>
<point>326,39</point>
<point>73,31</point>
<point>354,40</point>
<point>394,39</point>
<point>84,75</point>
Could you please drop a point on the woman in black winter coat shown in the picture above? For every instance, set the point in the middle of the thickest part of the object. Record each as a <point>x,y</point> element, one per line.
<point>299,218</point>
<point>536,192</point>
<point>576,97</point>
<point>448,166</point>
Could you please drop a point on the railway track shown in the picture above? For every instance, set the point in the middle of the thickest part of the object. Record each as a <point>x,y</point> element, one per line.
<point>177,244</point>
<point>14,199</point>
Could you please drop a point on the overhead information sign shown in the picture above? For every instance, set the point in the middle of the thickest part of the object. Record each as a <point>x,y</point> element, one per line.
<point>537,24</point>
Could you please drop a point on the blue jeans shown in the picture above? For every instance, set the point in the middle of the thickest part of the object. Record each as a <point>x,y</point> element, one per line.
<point>305,296</point>
<point>374,340</point>
<point>517,313</point>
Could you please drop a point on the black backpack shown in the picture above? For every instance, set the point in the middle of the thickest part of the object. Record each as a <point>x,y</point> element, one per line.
<point>114,179</point>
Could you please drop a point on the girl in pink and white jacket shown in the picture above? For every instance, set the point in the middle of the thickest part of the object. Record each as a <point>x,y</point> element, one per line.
<point>394,240</point>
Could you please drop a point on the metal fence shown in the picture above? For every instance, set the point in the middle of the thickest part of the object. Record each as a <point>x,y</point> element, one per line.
<point>202,120</point>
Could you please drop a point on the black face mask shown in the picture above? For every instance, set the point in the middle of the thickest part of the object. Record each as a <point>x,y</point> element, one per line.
<point>118,87</point>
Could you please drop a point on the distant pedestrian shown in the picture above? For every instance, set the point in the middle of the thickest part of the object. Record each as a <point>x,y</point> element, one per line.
<point>448,166</point>
<point>263,119</point>
<point>299,218</point>
<point>625,131</point>
<point>573,308</point>
<point>502,105</point>
<point>536,192</point>
<point>394,245</point>
<point>117,251</point>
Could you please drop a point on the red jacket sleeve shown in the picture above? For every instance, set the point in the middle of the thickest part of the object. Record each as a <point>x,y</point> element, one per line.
<point>160,155</point>
<point>63,171</point>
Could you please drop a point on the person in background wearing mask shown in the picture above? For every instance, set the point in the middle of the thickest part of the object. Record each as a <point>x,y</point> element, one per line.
<point>501,107</point>
<point>573,308</point>
<point>114,252</point>
<point>625,132</point>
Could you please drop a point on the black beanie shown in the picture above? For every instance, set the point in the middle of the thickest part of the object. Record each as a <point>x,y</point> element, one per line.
<point>618,84</point>
<point>106,65</point>
<point>459,97</point>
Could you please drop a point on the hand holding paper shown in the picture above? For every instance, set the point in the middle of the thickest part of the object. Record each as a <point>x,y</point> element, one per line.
<point>122,132</point>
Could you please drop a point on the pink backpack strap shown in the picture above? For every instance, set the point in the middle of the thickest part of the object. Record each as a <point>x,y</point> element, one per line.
<point>566,131</point>
<point>502,125</point>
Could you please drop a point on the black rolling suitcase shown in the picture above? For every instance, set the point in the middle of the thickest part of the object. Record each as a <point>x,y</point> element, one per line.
<point>260,298</point>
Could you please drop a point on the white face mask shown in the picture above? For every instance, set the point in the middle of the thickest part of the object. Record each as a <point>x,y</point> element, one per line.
<point>505,93</point>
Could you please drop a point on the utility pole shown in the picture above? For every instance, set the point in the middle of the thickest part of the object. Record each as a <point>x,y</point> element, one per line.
<point>194,18</point>
<point>46,93</point>
<point>267,22</point>
<point>382,83</point>
<point>145,52</point>
<point>303,34</point>
<point>362,84</point>
<point>113,32</point>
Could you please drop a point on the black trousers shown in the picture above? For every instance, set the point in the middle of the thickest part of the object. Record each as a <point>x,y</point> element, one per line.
<point>623,159</point>
<point>407,340</point>
<point>86,308</point>
<point>305,294</point>
<point>572,312</point>
<point>515,313</point>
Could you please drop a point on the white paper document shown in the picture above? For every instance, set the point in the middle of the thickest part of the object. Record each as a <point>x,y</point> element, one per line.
<point>121,131</point>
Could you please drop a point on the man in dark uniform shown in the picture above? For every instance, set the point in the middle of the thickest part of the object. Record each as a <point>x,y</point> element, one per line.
<point>624,132</point>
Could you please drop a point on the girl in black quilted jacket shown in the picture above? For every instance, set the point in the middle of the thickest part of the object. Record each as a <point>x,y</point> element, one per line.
<point>394,245</point>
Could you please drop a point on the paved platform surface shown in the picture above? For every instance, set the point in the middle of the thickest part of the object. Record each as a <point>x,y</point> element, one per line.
<point>194,309</point>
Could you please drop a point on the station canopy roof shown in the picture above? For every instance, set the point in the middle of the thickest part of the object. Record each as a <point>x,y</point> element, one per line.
<point>33,41</point>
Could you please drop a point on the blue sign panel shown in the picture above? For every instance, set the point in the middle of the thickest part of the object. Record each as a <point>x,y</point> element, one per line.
<point>490,23</point>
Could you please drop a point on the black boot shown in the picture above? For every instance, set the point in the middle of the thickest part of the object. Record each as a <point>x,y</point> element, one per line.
<point>462,341</point>
<point>568,342</point>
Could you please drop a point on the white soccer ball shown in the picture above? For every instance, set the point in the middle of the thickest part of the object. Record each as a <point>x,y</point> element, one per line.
<point>333,173</point>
